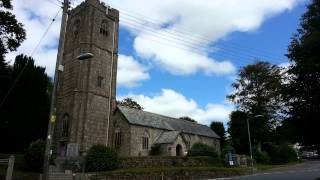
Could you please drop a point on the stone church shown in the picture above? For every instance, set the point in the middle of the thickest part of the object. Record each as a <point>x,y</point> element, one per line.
<point>87,113</point>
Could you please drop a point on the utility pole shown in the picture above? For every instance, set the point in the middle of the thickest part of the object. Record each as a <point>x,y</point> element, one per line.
<point>53,116</point>
<point>250,147</point>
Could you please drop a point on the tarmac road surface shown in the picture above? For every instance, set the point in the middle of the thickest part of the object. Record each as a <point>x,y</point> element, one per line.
<point>309,170</point>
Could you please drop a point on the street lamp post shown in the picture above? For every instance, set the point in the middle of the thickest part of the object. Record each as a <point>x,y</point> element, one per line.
<point>249,137</point>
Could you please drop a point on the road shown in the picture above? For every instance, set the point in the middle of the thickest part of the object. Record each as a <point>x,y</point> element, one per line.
<point>309,170</point>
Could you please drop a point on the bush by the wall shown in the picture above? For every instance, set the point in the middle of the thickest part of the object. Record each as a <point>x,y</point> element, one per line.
<point>155,150</point>
<point>101,158</point>
<point>34,155</point>
<point>280,154</point>
<point>261,157</point>
<point>226,149</point>
<point>200,149</point>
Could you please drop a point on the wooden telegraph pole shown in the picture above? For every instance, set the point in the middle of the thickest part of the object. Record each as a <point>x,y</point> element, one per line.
<point>53,117</point>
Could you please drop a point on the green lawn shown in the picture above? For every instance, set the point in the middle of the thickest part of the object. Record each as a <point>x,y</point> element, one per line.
<point>175,170</point>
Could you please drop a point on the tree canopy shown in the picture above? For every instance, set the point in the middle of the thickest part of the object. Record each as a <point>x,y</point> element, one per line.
<point>12,33</point>
<point>187,118</point>
<point>130,103</point>
<point>24,115</point>
<point>304,86</point>
<point>237,128</point>
<point>258,95</point>
<point>218,128</point>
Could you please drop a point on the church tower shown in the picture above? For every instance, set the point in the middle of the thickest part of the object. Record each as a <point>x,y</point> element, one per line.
<point>87,88</point>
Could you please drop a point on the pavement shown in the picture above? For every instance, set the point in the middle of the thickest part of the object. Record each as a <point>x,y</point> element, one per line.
<point>309,170</point>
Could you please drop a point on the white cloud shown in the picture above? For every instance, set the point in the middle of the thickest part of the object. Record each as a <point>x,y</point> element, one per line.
<point>36,19</point>
<point>175,104</point>
<point>36,16</point>
<point>212,20</point>
<point>130,72</point>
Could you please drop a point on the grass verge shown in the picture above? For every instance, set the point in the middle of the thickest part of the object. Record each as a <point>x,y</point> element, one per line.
<point>172,171</point>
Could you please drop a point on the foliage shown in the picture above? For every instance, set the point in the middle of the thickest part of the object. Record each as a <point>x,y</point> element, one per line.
<point>26,108</point>
<point>12,33</point>
<point>258,91</point>
<point>155,150</point>
<point>238,132</point>
<point>261,156</point>
<point>130,103</point>
<point>188,119</point>
<point>304,86</point>
<point>199,149</point>
<point>218,128</point>
<point>227,149</point>
<point>101,158</point>
<point>280,154</point>
<point>34,155</point>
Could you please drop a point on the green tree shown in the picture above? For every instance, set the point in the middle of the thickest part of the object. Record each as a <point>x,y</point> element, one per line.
<point>24,114</point>
<point>130,103</point>
<point>237,128</point>
<point>218,128</point>
<point>188,119</point>
<point>12,33</point>
<point>304,87</point>
<point>34,155</point>
<point>258,91</point>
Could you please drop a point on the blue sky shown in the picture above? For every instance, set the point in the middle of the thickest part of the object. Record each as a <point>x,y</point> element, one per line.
<point>179,57</point>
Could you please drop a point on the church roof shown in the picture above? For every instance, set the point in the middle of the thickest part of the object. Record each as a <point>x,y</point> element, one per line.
<point>167,137</point>
<point>148,119</point>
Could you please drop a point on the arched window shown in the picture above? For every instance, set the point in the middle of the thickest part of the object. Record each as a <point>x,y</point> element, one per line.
<point>104,28</point>
<point>65,125</point>
<point>117,137</point>
<point>145,141</point>
<point>76,27</point>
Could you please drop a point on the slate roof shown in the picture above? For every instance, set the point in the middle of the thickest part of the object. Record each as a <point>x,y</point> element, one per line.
<point>167,137</point>
<point>148,119</point>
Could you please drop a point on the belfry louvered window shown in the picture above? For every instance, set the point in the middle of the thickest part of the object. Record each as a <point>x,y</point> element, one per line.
<point>104,28</point>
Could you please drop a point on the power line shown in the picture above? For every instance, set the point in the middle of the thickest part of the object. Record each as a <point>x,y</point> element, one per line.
<point>159,39</point>
<point>25,66</point>
<point>186,39</point>
<point>192,35</point>
<point>185,46</point>
<point>55,3</point>
<point>180,30</point>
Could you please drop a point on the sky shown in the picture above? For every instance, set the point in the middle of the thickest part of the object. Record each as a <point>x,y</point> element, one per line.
<point>177,57</point>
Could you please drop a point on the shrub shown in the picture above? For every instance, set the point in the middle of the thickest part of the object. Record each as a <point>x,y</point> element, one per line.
<point>101,158</point>
<point>155,150</point>
<point>226,150</point>
<point>34,155</point>
<point>280,154</point>
<point>200,149</point>
<point>261,157</point>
